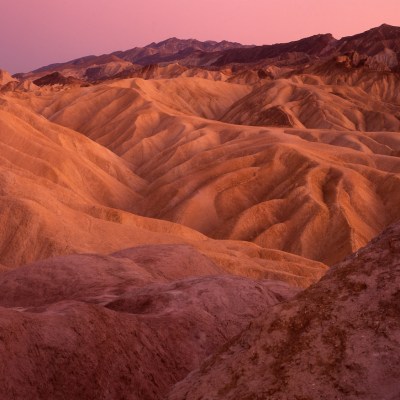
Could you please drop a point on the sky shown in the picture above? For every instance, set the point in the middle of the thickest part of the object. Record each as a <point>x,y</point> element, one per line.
<point>34,33</point>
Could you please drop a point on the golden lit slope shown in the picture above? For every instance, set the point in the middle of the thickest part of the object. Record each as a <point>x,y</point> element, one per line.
<point>62,193</point>
<point>306,102</point>
<point>320,194</point>
<point>5,77</point>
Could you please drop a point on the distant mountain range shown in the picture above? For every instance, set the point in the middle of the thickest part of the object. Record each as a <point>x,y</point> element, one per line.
<point>377,48</point>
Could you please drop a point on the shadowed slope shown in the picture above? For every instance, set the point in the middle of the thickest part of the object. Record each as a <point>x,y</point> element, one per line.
<point>88,68</point>
<point>310,46</point>
<point>373,42</point>
<point>98,278</point>
<point>170,51</point>
<point>100,327</point>
<point>337,339</point>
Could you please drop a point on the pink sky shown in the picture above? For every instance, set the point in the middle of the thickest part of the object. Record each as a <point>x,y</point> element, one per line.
<point>34,33</point>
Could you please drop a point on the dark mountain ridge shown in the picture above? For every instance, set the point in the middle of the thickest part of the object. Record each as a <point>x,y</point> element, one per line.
<point>377,48</point>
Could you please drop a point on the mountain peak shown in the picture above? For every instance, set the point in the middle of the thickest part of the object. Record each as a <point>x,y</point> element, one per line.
<point>373,41</point>
<point>388,32</point>
<point>387,26</point>
<point>5,77</point>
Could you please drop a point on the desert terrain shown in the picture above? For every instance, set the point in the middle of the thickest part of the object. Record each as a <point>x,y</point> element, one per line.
<point>203,220</point>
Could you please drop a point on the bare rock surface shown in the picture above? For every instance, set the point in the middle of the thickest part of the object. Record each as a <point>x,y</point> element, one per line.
<point>92,275</point>
<point>5,78</point>
<point>339,339</point>
<point>125,326</point>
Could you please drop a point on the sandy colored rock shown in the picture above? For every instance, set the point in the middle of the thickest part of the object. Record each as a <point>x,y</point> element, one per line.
<point>283,189</point>
<point>5,78</point>
<point>62,193</point>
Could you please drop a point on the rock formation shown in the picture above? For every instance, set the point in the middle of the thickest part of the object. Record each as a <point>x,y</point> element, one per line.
<point>337,339</point>
<point>128,325</point>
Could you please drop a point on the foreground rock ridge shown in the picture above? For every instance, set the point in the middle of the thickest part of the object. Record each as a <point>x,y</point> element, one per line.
<point>339,339</point>
<point>124,326</point>
<point>174,220</point>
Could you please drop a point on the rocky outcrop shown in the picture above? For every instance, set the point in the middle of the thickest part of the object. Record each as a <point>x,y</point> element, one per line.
<point>127,326</point>
<point>373,41</point>
<point>56,78</point>
<point>339,339</point>
<point>17,86</point>
<point>6,78</point>
<point>386,60</point>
